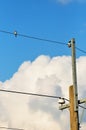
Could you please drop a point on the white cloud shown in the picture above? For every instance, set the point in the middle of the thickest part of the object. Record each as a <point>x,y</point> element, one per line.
<point>45,75</point>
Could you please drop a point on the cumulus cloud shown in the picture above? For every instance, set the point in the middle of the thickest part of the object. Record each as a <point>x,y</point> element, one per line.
<point>44,75</point>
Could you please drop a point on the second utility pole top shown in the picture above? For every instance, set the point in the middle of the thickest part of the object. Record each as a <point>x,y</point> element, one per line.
<point>70,42</point>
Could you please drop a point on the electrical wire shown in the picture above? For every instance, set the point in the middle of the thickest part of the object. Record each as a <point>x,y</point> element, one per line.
<point>31,94</point>
<point>81,50</point>
<point>10,128</point>
<point>32,37</point>
<point>82,114</point>
<point>82,106</point>
<point>38,38</point>
<point>25,93</point>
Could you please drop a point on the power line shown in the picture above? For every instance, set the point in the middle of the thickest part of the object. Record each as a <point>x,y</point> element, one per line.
<point>82,106</point>
<point>40,39</point>
<point>82,114</point>
<point>81,50</point>
<point>25,93</point>
<point>31,94</point>
<point>10,128</point>
<point>32,37</point>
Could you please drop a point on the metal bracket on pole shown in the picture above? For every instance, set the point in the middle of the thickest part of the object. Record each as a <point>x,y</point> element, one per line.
<point>82,101</point>
<point>62,107</point>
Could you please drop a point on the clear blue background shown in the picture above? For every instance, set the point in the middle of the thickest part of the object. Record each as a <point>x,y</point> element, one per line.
<point>40,18</point>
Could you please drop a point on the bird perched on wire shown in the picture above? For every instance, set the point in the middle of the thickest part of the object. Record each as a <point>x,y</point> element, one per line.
<point>15,33</point>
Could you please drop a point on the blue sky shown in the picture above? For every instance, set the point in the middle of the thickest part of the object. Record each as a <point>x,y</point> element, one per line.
<point>58,20</point>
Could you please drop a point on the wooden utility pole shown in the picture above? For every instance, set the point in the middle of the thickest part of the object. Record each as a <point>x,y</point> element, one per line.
<point>73,93</point>
<point>74,120</point>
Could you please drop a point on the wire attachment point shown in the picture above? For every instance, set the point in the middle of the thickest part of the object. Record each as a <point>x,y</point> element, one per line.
<point>69,44</point>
